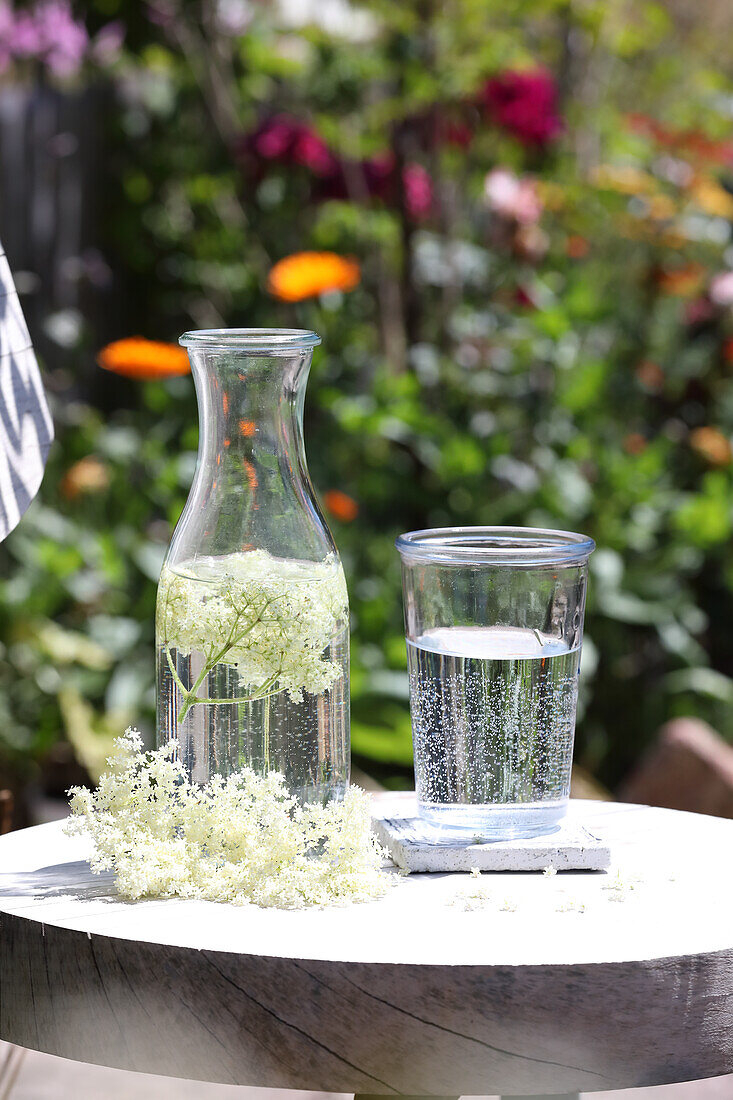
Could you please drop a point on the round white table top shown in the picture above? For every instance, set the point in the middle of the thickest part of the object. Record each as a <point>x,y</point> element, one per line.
<point>668,893</point>
<point>517,982</point>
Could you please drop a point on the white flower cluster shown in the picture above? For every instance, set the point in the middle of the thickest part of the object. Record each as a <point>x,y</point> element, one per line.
<point>272,618</point>
<point>242,839</point>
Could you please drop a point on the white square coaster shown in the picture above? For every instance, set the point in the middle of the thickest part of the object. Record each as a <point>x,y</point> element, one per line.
<point>415,845</point>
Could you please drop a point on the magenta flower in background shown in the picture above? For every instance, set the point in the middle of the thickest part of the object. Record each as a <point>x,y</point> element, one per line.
<point>457,133</point>
<point>524,104</point>
<point>274,138</point>
<point>418,191</point>
<point>378,176</point>
<point>380,179</point>
<point>312,153</point>
<point>285,139</point>
<point>524,296</point>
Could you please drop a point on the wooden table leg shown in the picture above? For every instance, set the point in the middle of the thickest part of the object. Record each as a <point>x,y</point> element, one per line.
<point>365,1096</point>
<point>544,1096</point>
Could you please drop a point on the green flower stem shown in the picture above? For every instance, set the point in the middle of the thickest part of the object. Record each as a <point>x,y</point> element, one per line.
<point>174,674</point>
<point>190,697</point>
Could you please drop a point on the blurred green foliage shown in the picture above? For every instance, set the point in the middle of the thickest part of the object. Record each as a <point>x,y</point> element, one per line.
<point>571,370</point>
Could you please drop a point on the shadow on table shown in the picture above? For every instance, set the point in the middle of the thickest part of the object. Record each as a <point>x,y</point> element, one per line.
<point>59,880</point>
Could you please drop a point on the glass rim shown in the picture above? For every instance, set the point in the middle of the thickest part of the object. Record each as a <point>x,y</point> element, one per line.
<point>248,340</point>
<point>495,546</point>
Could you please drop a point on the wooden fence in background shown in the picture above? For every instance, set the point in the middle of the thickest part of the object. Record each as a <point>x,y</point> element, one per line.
<point>49,205</point>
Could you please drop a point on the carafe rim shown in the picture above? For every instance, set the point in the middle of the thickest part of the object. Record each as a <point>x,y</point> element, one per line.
<point>247,341</point>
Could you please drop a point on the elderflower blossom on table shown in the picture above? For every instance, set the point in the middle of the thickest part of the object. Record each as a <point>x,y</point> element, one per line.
<point>272,618</point>
<point>242,839</point>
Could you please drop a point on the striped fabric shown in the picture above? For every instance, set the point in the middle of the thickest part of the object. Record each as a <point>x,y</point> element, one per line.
<point>26,429</point>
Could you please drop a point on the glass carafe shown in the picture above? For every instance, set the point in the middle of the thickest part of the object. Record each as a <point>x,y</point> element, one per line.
<point>252,615</point>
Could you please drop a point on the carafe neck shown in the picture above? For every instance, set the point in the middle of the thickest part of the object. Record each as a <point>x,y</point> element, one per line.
<point>251,489</point>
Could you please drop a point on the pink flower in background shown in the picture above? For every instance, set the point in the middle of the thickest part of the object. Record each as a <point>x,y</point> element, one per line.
<point>512,197</point>
<point>161,13</point>
<point>47,32</point>
<point>418,191</point>
<point>108,42</point>
<point>233,16</point>
<point>7,22</point>
<point>25,37</point>
<point>65,40</point>
<point>524,104</point>
<point>698,312</point>
<point>379,175</point>
<point>721,289</point>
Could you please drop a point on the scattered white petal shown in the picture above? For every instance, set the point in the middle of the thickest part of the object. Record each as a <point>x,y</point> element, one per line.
<point>572,905</point>
<point>508,906</point>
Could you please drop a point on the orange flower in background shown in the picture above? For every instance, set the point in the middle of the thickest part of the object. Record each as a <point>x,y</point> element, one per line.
<point>712,445</point>
<point>341,505</point>
<point>88,475</point>
<point>147,360</point>
<point>661,208</point>
<point>308,274</point>
<point>712,198</point>
<point>684,141</point>
<point>577,247</point>
<point>650,375</point>
<point>635,443</point>
<point>624,179</point>
<point>681,282</point>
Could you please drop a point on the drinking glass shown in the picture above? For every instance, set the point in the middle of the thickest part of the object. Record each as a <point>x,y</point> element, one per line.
<point>494,625</point>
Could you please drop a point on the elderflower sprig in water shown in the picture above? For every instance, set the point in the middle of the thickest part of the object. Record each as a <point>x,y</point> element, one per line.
<point>242,839</point>
<point>270,618</point>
